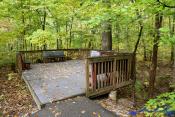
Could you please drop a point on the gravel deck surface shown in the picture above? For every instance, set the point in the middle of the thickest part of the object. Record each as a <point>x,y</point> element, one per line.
<point>56,81</point>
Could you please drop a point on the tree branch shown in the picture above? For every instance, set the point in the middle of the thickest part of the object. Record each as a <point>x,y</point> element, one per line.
<point>165,5</point>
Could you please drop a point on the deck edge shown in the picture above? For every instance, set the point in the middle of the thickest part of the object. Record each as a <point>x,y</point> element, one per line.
<point>35,97</point>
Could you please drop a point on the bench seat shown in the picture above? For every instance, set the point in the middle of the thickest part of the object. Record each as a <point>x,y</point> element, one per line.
<point>53,56</point>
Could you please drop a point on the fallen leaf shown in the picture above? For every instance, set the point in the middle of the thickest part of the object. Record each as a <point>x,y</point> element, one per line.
<point>94,113</point>
<point>57,114</point>
<point>83,111</point>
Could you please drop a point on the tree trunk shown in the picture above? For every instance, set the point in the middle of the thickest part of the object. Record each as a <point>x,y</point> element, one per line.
<point>107,37</point>
<point>158,25</point>
<point>107,30</point>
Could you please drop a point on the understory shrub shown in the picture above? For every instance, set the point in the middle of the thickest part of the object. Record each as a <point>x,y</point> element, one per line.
<point>162,106</point>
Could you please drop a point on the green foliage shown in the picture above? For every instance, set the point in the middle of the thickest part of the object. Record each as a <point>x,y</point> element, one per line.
<point>42,37</point>
<point>160,105</point>
<point>7,58</point>
<point>78,24</point>
<point>166,37</point>
<point>140,90</point>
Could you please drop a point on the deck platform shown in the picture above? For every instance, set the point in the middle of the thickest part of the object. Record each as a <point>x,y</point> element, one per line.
<point>49,82</point>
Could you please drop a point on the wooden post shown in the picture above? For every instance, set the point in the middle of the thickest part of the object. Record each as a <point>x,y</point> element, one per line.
<point>87,76</point>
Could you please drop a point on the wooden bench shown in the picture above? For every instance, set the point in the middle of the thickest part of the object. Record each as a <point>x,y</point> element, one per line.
<point>53,56</point>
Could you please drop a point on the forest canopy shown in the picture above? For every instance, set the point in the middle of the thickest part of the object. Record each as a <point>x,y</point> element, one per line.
<point>79,23</point>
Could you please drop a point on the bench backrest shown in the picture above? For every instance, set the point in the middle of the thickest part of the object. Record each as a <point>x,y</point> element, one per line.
<point>51,54</point>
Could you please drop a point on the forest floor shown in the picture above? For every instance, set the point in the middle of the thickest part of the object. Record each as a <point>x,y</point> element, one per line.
<point>15,98</point>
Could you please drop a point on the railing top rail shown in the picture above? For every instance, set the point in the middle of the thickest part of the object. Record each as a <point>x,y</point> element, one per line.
<point>77,49</point>
<point>112,56</point>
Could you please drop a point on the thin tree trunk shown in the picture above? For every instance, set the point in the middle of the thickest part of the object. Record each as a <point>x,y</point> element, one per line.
<point>127,38</point>
<point>144,51</point>
<point>140,31</point>
<point>44,20</point>
<point>172,31</point>
<point>44,27</point>
<point>70,32</point>
<point>133,67</point>
<point>172,54</point>
<point>23,32</point>
<point>117,29</point>
<point>158,25</point>
<point>66,34</point>
<point>138,40</point>
<point>57,28</point>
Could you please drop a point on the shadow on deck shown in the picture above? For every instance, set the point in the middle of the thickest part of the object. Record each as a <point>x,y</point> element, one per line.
<point>51,82</point>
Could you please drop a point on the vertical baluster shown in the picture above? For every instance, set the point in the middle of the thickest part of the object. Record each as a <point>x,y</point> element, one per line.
<point>120,71</point>
<point>98,78</point>
<point>104,75</point>
<point>107,73</point>
<point>32,56</point>
<point>94,76</point>
<point>102,72</point>
<point>115,77</point>
<point>111,73</point>
<point>117,70</point>
<point>129,69</point>
<point>126,69</point>
<point>123,73</point>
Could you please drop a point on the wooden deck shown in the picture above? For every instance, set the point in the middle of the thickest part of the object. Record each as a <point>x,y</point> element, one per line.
<point>93,75</point>
<point>55,81</point>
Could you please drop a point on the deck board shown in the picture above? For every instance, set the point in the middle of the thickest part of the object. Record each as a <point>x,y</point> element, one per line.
<point>56,81</point>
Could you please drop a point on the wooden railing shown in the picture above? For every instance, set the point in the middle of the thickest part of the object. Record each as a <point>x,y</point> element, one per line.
<point>36,56</point>
<point>106,73</point>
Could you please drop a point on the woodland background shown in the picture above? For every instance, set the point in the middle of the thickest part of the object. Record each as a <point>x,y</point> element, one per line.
<point>144,27</point>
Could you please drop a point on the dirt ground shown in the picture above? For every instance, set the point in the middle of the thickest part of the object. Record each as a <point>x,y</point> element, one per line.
<point>15,98</point>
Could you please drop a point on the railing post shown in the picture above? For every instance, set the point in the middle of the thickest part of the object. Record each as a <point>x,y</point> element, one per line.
<point>19,63</point>
<point>87,76</point>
